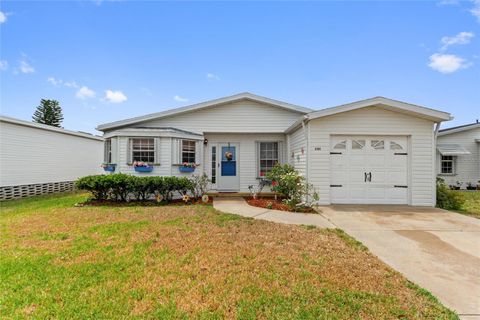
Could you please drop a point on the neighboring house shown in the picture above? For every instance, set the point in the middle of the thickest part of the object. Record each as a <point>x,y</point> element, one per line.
<point>371,151</point>
<point>37,159</point>
<point>458,154</point>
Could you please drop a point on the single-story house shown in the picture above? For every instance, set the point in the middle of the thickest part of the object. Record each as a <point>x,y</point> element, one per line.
<point>458,155</point>
<point>37,159</point>
<point>374,151</point>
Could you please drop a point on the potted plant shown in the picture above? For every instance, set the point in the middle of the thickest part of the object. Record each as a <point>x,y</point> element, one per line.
<point>456,186</point>
<point>109,167</point>
<point>471,186</point>
<point>141,166</point>
<point>187,167</point>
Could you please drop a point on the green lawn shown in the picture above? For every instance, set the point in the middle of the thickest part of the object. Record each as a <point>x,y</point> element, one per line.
<point>189,262</point>
<point>471,205</point>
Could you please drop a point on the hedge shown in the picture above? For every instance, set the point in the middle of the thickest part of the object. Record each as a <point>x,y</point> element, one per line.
<point>120,187</point>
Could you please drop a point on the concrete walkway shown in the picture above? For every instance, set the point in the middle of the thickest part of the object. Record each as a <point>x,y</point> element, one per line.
<point>238,205</point>
<point>437,249</point>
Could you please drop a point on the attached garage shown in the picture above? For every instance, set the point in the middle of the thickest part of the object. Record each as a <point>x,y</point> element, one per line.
<point>369,169</point>
<point>374,151</point>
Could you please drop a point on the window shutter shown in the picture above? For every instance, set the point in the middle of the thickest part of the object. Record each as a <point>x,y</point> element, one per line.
<point>129,150</point>
<point>114,144</point>
<point>105,150</point>
<point>176,150</point>
<point>281,156</point>
<point>198,152</point>
<point>257,159</point>
<point>157,150</point>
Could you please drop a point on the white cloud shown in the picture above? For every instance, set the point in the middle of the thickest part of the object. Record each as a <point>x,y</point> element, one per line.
<point>55,82</point>
<point>59,82</point>
<point>85,93</point>
<point>461,38</point>
<point>3,65</point>
<point>25,67</point>
<point>447,63</point>
<point>3,17</point>
<point>115,96</point>
<point>447,2</point>
<point>475,11</point>
<point>70,84</point>
<point>180,99</point>
<point>212,76</point>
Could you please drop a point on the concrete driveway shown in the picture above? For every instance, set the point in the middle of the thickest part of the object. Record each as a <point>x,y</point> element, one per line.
<point>437,249</point>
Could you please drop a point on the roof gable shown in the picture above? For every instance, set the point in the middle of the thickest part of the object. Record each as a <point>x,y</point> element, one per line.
<point>387,104</point>
<point>205,105</point>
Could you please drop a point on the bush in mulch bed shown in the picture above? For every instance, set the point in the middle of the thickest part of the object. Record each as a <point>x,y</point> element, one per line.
<point>276,204</point>
<point>126,190</point>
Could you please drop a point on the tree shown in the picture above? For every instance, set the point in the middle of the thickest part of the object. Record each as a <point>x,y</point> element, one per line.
<point>48,112</point>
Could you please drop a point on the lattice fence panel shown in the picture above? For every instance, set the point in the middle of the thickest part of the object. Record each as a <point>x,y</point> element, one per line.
<point>28,190</point>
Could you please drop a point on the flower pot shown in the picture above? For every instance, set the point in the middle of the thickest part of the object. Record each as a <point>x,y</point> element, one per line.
<point>144,169</point>
<point>109,167</point>
<point>186,169</point>
<point>472,188</point>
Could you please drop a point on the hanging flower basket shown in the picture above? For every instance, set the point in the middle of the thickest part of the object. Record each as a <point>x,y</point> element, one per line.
<point>108,167</point>
<point>140,166</point>
<point>229,156</point>
<point>187,167</point>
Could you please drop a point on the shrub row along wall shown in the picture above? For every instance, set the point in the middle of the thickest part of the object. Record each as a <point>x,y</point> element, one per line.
<point>124,187</point>
<point>27,190</point>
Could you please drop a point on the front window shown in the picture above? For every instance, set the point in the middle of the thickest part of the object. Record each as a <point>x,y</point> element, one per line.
<point>268,157</point>
<point>108,151</point>
<point>447,165</point>
<point>188,151</point>
<point>143,149</point>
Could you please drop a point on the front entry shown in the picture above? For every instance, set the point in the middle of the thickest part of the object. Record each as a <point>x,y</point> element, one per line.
<point>227,165</point>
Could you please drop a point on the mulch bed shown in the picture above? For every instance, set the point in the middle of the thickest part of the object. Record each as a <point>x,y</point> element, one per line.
<point>146,203</point>
<point>276,204</point>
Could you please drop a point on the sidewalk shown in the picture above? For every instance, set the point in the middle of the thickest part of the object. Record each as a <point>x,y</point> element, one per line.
<point>238,205</point>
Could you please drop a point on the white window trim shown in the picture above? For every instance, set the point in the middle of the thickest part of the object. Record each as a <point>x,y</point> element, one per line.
<point>279,154</point>
<point>156,148</point>
<point>454,160</point>
<point>194,150</point>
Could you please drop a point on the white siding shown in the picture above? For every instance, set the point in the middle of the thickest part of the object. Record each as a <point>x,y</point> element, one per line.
<point>373,121</point>
<point>246,155</point>
<point>244,116</point>
<point>31,155</point>
<point>297,143</point>
<point>467,167</point>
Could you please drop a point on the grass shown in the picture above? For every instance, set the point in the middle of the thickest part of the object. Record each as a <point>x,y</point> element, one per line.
<point>471,203</point>
<point>189,262</point>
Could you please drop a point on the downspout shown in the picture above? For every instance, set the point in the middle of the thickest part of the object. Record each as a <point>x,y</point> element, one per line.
<point>306,133</point>
<point>434,154</point>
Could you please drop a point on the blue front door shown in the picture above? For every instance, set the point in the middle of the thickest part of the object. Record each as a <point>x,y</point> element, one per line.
<point>228,179</point>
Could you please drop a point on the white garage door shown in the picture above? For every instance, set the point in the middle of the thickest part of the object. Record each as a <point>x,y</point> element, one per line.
<point>369,169</point>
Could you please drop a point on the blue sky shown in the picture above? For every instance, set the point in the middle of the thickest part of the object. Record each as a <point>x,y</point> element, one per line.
<point>110,60</point>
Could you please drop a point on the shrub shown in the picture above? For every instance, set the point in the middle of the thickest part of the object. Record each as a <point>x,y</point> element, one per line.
<point>120,187</point>
<point>287,181</point>
<point>446,198</point>
<point>97,185</point>
<point>143,187</point>
<point>201,185</point>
